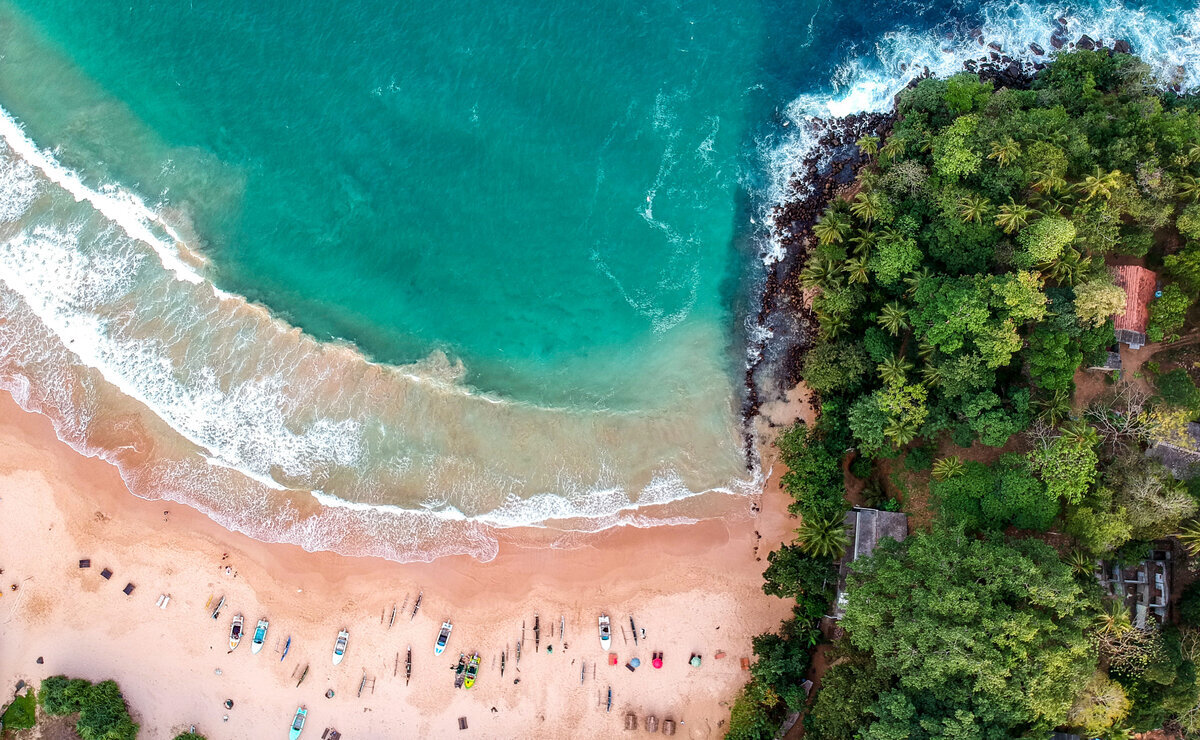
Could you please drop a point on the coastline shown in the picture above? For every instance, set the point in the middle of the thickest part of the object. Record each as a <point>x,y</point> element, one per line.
<point>680,583</point>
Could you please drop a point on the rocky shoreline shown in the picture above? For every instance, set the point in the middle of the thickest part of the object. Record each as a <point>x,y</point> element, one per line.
<point>785,327</point>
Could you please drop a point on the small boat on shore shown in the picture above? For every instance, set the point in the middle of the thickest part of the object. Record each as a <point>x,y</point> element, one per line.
<point>339,647</point>
<point>460,671</point>
<point>443,637</point>
<point>472,671</point>
<point>235,632</point>
<point>286,647</point>
<point>408,666</point>
<point>260,636</point>
<point>605,632</point>
<point>298,723</point>
<point>220,605</point>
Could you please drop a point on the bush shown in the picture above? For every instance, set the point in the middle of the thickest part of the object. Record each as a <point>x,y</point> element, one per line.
<point>918,459</point>
<point>1177,389</point>
<point>190,736</point>
<point>101,707</point>
<point>1189,605</point>
<point>61,695</point>
<point>1167,314</point>
<point>22,713</point>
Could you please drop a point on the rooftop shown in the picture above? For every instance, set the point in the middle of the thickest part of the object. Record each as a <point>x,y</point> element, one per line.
<point>865,528</point>
<point>1139,284</point>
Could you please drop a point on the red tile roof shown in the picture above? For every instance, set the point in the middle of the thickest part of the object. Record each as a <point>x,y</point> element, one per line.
<point>1139,284</point>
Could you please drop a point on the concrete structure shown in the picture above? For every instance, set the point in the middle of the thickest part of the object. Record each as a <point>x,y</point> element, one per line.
<point>866,527</point>
<point>1144,588</point>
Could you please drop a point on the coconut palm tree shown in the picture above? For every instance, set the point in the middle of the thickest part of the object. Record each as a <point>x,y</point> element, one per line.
<point>1054,408</point>
<point>1101,183</point>
<point>1080,432</point>
<point>1048,181</point>
<point>947,467</point>
<point>1013,216</point>
<point>1005,152</point>
<point>893,318</point>
<point>925,349</point>
<point>892,148</point>
<point>1065,269</point>
<point>856,270</point>
<point>894,369</point>
<point>863,243</point>
<point>1194,153</point>
<point>932,374</point>
<point>866,206</point>
<point>1082,564</point>
<point>913,281</point>
<point>973,208</point>
<point>819,273</point>
<point>832,324</point>
<point>1113,619</point>
<point>823,537</point>
<point>1189,537</point>
<point>900,432</point>
<point>832,228</point>
<point>869,145</point>
<point>1189,187</point>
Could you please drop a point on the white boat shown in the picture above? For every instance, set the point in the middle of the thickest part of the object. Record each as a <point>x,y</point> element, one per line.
<point>443,638</point>
<point>339,648</point>
<point>235,632</point>
<point>298,723</point>
<point>260,636</point>
<point>605,632</point>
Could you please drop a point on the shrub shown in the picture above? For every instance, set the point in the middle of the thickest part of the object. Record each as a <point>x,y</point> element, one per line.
<point>1167,314</point>
<point>61,695</point>
<point>1177,389</point>
<point>22,713</point>
<point>1189,605</point>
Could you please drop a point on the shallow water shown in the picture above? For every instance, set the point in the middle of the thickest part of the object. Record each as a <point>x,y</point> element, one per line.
<point>519,240</point>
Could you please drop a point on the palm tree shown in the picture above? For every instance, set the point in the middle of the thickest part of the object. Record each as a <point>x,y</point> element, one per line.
<point>892,148</point>
<point>863,243</point>
<point>1048,181</point>
<point>914,280</point>
<point>823,538</point>
<point>832,228</point>
<point>856,270</point>
<point>819,273</point>
<point>1005,152</point>
<point>1189,537</point>
<point>869,145</point>
<point>1065,269</point>
<point>1055,408</point>
<point>972,208</point>
<point>947,468</point>
<point>1101,183</point>
<point>900,432</point>
<point>1113,619</point>
<point>894,369</point>
<point>893,318</point>
<point>832,324</point>
<point>1194,153</point>
<point>1013,216</point>
<point>932,374</point>
<point>866,206</point>
<point>1081,432</point>
<point>1189,187</point>
<point>925,349</point>
<point>1081,562</point>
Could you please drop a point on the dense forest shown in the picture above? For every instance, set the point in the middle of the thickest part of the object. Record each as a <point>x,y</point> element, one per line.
<point>963,287</point>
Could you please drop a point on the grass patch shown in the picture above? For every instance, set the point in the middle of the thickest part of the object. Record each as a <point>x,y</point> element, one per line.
<point>22,713</point>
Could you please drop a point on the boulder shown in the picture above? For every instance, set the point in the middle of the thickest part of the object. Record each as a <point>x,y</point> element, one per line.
<point>1085,42</point>
<point>994,46</point>
<point>1122,47</point>
<point>1037,50</point>
<point>1058,41</point>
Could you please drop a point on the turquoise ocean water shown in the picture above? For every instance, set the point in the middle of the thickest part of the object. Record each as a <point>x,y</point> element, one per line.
<point>519,238</point>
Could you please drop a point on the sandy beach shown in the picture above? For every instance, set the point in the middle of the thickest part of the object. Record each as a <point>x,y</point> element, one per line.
<point>692,589</point>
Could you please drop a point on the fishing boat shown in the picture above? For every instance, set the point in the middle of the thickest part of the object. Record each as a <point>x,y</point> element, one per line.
<point>605,632</point>
<point>298,723</point>
<point>633,629</point>
<point>339,647</point>
<point>609,707</point>
<point>472,671</point>
<point>220,605</point>
<point>260,636</point>
<point>235,632</point>
<point>503,657</point>
<point>408,666</point>
<point>460,671</point>
<point>416,606</point>
<point>443,638</point>
<point>286,647</point>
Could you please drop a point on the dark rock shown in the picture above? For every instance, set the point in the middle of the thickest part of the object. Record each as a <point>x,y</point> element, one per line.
<point>994,46</point>
<point>993,56</point>
<point>1037,50</point>
<point>1062,21</point>
<point>981,41</point>
<point>1058,41</point>
<point>1085,42</point>
<point>1122,47</point>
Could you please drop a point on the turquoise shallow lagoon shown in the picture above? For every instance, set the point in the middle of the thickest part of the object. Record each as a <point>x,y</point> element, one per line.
<point>383,277</point>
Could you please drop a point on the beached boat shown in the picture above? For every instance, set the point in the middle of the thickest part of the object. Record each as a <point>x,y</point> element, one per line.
<point>408,666</point>
<point>339,647</point>
<point>298,723</point>
<point>286,647</point>
<point>605,632</point>
<point>472,671</point>
<point>235,632</point>
<point>260,636</point>
<point>443,637</point>
<point>460,671</point>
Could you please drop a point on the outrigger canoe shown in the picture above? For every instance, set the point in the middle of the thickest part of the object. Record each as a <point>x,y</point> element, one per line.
<point>339,647</point>
<point>472,671</point>
<point>460,671</point>
<point>298,723</point>
<point>260,636</point>
<point>235,632</point>
<point>287,646</point>
<point>605,632</point>
<point>443,637</point>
